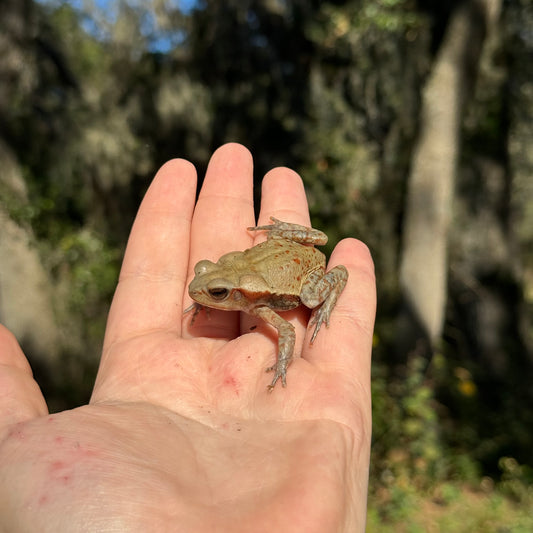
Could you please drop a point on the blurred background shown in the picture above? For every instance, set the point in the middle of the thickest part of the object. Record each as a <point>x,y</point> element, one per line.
<point>411,125</point>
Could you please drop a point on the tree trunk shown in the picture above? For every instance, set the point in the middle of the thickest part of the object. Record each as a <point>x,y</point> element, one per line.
<point>423,270</point>
<point>26,291</point>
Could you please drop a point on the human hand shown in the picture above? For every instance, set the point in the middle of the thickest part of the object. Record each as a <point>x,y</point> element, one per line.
<point>181,433</point>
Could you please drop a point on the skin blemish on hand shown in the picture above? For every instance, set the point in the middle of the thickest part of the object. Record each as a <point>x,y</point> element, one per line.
<point>61,471</point>
<point>231,382</point>
<point>57,465</point>
<point>16,433</point>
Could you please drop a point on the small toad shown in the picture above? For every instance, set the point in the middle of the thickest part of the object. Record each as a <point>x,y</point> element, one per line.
<point>276,275</point>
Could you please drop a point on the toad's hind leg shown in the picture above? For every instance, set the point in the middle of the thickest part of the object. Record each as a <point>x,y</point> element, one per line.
<point>286,342</point>
<point>323,290</point>
<point>292,232</point>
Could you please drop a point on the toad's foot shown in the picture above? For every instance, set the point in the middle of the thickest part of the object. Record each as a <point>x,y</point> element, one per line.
<point>280,372</point>
<point>197,308</point>
<point>292,232</point>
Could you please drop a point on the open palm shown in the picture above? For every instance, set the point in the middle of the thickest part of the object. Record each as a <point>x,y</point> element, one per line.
<point>181,433</point>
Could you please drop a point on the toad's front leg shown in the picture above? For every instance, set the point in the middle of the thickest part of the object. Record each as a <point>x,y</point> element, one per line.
<point>286,342</point>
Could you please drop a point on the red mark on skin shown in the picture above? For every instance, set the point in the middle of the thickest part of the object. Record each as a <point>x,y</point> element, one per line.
<point>230,381</point>
<point>57,470</point>
<point>43,499</point>
<point>57,465</point>
<point>16,433</point>
<point>59,440</point>
<point>90,453</point>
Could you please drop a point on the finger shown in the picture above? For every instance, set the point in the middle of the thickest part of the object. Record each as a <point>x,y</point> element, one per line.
<point>345,346</point>
<point>223,212</point>
<point>283,197</point>
<point>152,279</point>
<point>20,396</point>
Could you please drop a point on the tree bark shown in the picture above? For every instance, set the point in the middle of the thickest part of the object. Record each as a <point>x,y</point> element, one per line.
<point>424,265</point>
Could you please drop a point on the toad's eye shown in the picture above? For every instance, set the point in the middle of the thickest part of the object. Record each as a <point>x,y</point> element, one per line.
<point>218,293</point>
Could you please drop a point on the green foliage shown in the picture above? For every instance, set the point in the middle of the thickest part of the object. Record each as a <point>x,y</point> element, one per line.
<point>91,266</point>
<point>417,482</point>
<point>19,210</point>
<point>362,79</point>
<point>464,510</point>
<point>516,480</point>
<point>408,455</point>
<point>85,55</point>
<point>85,269</point>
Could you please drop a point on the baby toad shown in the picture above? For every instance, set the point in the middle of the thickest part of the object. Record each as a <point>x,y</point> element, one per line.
<point>276,275</point>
